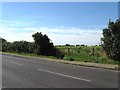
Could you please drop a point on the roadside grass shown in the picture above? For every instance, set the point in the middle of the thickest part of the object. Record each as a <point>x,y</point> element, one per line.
<point>30,54</point>
<point>78,53</point>
<point>94,54</point>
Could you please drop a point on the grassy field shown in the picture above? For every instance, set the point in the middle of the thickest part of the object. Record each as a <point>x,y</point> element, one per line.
<point>94,54</point>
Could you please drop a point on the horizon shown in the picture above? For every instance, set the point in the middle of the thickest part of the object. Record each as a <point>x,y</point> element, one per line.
<point>63,22</point>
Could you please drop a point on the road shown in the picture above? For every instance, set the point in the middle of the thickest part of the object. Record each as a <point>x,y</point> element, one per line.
<point>19,72</point>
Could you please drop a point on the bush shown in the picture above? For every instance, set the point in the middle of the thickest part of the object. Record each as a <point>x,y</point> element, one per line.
<point>111,40</point>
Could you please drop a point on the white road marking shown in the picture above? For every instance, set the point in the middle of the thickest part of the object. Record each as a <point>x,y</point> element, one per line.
<point>64,75</point>
<point>15,63</point>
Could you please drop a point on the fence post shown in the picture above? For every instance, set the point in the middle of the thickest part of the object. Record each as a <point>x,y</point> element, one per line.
<point>68,50</point>
<point>93,51</point>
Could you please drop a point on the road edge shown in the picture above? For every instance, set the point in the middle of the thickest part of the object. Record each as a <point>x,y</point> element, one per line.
<point>88,64</point>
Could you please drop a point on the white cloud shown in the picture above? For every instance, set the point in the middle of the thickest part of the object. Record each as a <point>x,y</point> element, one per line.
<point>12,35</point>
<point>62,35</point>
<point>10,23</point>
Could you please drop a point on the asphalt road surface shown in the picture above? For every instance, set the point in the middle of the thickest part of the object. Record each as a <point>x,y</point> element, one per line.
<point>19,72</point>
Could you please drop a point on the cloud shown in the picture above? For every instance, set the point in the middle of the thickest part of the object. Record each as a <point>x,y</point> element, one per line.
<point>10,23</point>
<point>11,35</point>
<point>60,35</point>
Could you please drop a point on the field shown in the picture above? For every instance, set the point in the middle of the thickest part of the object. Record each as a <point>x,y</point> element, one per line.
<point>94,54</point>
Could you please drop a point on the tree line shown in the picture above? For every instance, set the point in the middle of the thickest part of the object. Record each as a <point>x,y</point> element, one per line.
<point>42,45</point>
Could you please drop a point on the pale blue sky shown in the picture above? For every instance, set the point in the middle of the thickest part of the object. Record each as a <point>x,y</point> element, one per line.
<point>58,20</point>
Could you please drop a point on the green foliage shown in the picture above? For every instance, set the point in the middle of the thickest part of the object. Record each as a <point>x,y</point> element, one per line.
<point>22,46</point>
<point>111,40</point>
<point>67,45</point>
<point>17,46</point>
<point>2,40</point>
<point>85,54</point>
<point>43,45</point>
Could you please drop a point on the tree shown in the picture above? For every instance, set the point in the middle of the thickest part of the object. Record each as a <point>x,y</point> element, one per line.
<point>31,47</point>
<point>67,44</point>
<point>43,45</point>
<point>82,45</point>
<point>22,47</point>
<point>2,40</point>
<point>77,45</point>
<point>111,40</point>
<point>3,44</point>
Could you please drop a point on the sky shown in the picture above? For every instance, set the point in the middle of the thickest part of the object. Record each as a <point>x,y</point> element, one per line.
<point>63,22</point>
